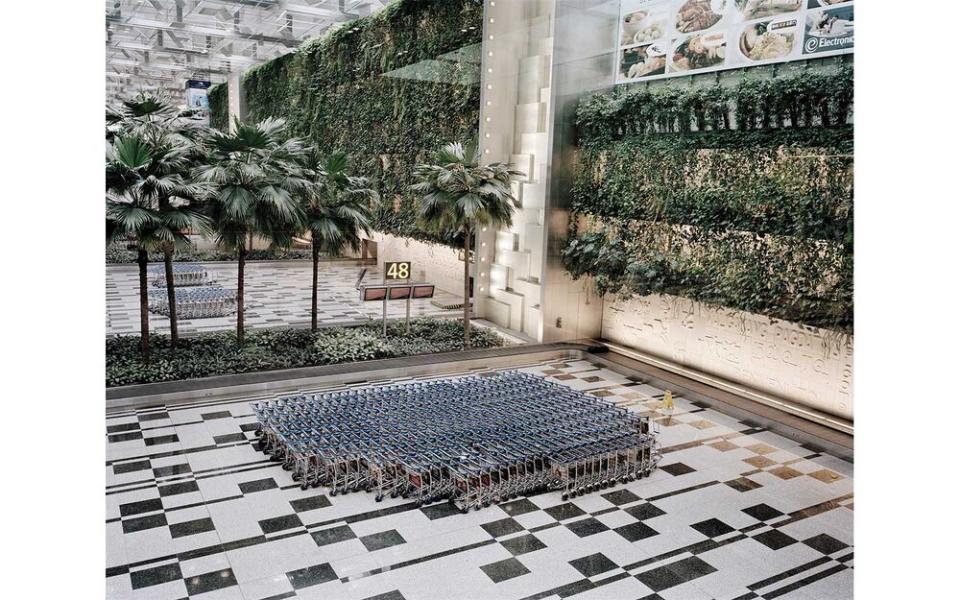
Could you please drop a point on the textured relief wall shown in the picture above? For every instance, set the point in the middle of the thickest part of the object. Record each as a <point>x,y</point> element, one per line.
<point>806,366</point>
<point>435,263</point>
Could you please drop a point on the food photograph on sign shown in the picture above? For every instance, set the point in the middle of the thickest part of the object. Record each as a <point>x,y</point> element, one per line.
<point>697,52</point>
<point>768,40</point>
<point>758,9</point>
<point>699,15</point>
<point>669,38</point>
<point>643,61</point>
<point>644,26</point>
<point>829,30</point>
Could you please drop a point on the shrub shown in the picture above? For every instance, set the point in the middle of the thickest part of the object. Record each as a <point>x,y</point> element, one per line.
<point>213,354</point>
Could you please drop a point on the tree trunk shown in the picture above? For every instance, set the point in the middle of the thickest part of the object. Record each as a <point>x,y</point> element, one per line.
<point>313,300</point>
<point>171,294</point>
<point>144,307</point>
<point>241,260</point>
<point>466,289</point>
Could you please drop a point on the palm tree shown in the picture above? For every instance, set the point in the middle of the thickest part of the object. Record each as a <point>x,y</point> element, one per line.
<point>172,143</point>
<point>458,194</point>
<point>257,174</point>
<point>336,208</point>
<point>133,211</point>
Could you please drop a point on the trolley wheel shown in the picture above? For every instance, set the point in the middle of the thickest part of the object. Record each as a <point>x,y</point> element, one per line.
<point>394,494</point>
<point>564,497</point>
<point>315,484</point>
<point>287,467</point>
<point>379,498</point>
<point>304,485</point>
<point>464,509</point>
<point>333,491</point>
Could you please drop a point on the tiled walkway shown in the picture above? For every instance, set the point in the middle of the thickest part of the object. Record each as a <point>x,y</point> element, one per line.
<point>276,295</point>
<point>735,511</point>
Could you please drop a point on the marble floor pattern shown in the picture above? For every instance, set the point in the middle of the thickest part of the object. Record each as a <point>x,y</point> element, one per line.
<point>735,511</point>
<point>276,295</point>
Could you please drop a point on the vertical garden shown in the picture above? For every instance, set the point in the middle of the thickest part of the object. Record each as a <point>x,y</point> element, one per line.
<point>738,195</point>
<point>387,89</point>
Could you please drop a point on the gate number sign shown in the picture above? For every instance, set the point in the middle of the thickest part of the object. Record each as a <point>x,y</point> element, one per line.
<point>396,270</point>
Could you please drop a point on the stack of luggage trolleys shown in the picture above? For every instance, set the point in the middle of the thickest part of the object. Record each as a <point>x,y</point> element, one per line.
<point>474,440</point>
<point>183,275</point>
<point>195,302</point>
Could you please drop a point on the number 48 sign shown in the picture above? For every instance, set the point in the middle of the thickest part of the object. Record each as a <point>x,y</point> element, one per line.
<point>396,270</point>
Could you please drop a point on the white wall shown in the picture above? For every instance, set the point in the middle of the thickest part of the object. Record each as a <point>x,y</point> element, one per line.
<point>435,263</point>
<point>782,359</point>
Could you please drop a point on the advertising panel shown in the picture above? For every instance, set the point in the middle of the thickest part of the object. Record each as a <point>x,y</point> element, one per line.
<point>668,38</point>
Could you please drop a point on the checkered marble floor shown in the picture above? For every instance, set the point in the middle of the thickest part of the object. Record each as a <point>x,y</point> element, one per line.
<point>734,512</point>
<point>276,295</point>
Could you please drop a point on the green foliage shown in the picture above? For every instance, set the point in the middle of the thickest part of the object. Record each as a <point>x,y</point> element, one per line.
<point>387,89</point>
<point>218,353</point>
<point>219,106</point>
<point>739,197</point>
<point>118,254</point>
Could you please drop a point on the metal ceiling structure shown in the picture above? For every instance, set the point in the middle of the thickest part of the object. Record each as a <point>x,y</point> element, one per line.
<point>157,45</point>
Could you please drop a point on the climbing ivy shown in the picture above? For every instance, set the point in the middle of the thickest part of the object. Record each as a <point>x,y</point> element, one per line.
<point>739,196</point>
<point>388,89</point>
<point>219,107</point>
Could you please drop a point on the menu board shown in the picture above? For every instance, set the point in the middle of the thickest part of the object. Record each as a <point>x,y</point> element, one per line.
<point>668,38</point>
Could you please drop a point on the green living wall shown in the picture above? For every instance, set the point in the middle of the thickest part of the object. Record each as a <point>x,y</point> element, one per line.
<point>219,107</point>
<point>738,195</point>
<point>388,89</point>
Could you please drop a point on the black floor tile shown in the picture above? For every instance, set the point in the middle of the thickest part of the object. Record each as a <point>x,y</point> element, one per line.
<point>208,582</point>
<point>130,467</point>
<point>712,528</point>
<point>153,416</point>
<point>564,511</point>
<point>379,541</point>
<point>183,487</point>
<point>587,527</point>
<point>636,531</point>
<point>135,524</point>
<point>123,427</point>
<point>223,414</point>
<point>644,511</point>
<point>194,527</point>
<point>519,507</point>
<point>774,539</point>
<point>677,469</point>
<point>143,506</point>
<point>593,564</point>
<point>333,535</point>
<point>825,544</point>
<point>762,512</point>
<point>621,497</point>
<point>675,573</point>
<point>692,568</point>
<point>523,544</point>
<point>229,438</point>
<point>171,470</point>
<point>743,484</point>
<point>659,579</point>
<point>314,575</point>
<point>249,487</point>
<point>280,523</point>
<point>310,503</point>
<point>505,569</point>
<point>161,439</point>
<point>391,595</point>
<point>572,589</point>
<point>502,527</point>
<point>439,510</point>
<point>126,437</point>
<point>155,576</point>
